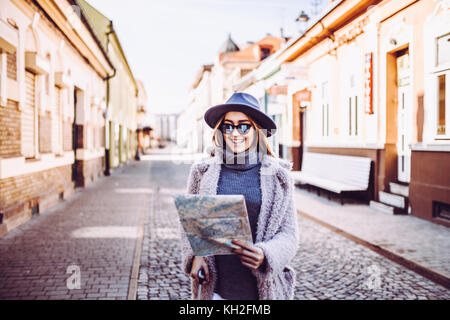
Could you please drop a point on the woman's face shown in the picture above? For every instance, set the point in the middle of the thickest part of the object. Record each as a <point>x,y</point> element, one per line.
<point>236,141</point>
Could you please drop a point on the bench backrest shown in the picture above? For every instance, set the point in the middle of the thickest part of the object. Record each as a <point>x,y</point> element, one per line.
<point>345,169</point>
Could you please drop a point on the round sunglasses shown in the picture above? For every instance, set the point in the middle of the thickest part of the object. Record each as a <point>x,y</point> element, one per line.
<point>243,128</point>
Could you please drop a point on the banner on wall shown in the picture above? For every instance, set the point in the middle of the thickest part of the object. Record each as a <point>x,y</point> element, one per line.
<point>368,83</point>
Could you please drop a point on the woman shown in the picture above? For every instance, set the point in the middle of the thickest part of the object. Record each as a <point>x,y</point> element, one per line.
<point>241,162</point>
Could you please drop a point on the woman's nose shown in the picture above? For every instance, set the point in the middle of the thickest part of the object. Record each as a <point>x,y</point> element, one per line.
<point>235,132</point>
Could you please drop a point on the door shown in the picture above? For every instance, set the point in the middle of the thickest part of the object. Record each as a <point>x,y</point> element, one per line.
<point>74,136</point>
<point>302,115</point>
<point>28,115</point>
<point>404,122</point>
<point>57,130</point>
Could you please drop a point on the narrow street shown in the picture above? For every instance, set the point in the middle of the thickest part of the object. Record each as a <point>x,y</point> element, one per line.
<point>99,232</point>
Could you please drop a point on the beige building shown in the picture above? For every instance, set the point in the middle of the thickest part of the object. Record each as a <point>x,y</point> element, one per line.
<point>194,137</point>
<point>52,101</point>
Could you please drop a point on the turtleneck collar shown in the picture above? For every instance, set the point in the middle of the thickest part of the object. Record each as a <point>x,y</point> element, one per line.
<point>245,160</point>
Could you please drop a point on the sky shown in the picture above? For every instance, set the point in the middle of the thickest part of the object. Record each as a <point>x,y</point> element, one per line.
<point>167,41</point>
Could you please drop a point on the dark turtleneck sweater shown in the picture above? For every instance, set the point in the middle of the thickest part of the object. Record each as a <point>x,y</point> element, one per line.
<point>239,175</point>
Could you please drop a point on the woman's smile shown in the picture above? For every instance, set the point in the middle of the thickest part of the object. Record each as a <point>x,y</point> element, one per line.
<point>237,141</point>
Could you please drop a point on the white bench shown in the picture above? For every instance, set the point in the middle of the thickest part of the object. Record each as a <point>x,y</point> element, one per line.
<point>334,173</point>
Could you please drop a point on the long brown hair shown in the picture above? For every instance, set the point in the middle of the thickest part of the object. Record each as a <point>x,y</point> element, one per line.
<point>262,142</point>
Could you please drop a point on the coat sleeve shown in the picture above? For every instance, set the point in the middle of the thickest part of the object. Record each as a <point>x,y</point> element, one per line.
<point>187,254</point>
<point>282,248</point>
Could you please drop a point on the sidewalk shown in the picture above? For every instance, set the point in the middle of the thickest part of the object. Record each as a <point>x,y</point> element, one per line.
<point>86,247</point>
<point>417,244</point>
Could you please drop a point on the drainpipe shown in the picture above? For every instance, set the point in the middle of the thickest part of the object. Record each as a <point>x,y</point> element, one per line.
<point>108,98</point>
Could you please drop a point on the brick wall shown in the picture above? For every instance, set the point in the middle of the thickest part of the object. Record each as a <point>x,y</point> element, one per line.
<point>10,130</point>
<point>20,193</point>
<point>45,133</point>
<point>89,170</point>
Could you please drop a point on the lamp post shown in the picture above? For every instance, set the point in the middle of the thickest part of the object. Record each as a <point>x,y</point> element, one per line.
<point>303,19</point>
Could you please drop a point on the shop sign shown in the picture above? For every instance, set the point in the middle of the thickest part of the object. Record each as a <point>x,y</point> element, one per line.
<point>302,96</point>
<point>368,83</point>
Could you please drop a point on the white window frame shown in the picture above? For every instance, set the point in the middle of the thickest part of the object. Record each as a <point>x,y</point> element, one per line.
<point>325,109</point>
<point>436,76</point>
<point>439,70</point>
<point>353,109</point>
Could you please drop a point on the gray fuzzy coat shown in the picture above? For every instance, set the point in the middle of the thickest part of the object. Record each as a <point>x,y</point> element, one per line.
<point>276,235</point>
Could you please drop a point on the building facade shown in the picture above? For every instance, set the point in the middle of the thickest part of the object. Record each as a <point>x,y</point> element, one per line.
<point>369,78</point>
<point>52,100</point>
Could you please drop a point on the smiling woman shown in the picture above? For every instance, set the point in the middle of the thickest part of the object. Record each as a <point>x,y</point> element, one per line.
<point>242,163</point>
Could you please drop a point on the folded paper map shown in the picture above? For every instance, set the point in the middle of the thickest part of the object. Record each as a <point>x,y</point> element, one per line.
<point>211,222</point>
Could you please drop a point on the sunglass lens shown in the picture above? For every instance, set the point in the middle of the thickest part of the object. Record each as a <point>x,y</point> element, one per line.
<point>243,128</point>
<point>227,128</point>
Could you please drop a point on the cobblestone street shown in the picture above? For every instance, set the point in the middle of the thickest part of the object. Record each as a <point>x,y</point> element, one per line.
<point>98,230</point>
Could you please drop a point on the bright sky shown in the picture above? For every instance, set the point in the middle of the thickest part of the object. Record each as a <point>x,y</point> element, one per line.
<point>167,41</point>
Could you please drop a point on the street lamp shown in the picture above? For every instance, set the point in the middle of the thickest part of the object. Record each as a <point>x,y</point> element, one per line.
<point>303,19</point>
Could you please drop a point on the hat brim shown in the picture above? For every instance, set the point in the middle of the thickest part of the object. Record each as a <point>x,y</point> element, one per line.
<point>213,114</point>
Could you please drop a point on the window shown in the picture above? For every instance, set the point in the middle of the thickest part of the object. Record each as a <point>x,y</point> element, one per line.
<point>265,52</point>
<point>352,109</point>
<point>443,116</point>
<point>442,80</point>
<point>47,84</point>
<point>47,77</point>
<point>443,50</point>
<point>441,105</point>
<point>353,116</point>
<point>325,110</point>
<point>11,65</point>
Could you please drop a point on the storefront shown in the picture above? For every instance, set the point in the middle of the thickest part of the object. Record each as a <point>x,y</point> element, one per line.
<point>430,156</point>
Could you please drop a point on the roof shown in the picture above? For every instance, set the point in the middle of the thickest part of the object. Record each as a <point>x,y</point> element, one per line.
<point>100,24</point>
<point>101,27</point>
<point>229,45</point>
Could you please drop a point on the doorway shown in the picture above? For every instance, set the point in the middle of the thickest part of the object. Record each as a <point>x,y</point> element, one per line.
<point>77,135</point>
<point>404,109</point>
<point>302,116</point>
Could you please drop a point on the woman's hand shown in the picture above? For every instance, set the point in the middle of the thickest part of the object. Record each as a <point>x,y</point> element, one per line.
<point>252,257</point>
<point>197,264</point>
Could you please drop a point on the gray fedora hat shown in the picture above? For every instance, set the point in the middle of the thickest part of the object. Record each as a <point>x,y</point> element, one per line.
<point>245,103</point>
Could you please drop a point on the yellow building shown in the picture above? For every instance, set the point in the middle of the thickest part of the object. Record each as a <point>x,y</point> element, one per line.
<point>122,91</point>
